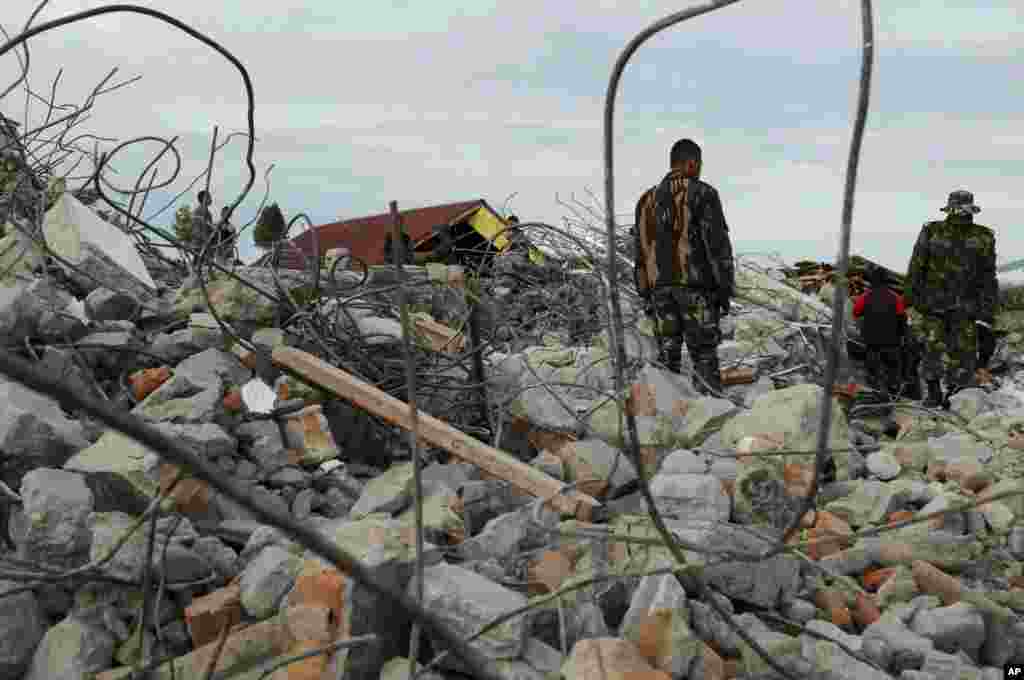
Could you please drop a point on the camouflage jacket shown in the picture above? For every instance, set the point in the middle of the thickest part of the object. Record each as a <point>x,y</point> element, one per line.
<point>953,269</point>
<point>698,252</point>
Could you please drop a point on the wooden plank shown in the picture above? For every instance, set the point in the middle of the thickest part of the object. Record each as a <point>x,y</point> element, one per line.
<point>439,433</point>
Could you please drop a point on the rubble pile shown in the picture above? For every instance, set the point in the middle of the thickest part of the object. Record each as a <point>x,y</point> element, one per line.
<point>909,564</point>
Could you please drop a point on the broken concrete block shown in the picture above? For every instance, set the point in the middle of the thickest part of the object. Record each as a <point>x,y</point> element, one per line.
<point>764,584</point>
<point>34,432</point>
<point>696,497</point>
<point>51,527</point>
<point>205,367</point>
<point>466,601</point>
<point>71,650</point>
<point>22,626</point>
<point>104,304</point>
<point>792,415</point>
<point>658,622</point>
<point>389,492</point>
<point>126,472</point>
<point>107,253</point>
<point>25,304</point>
<point>267,579</point>
<point>183,399</point>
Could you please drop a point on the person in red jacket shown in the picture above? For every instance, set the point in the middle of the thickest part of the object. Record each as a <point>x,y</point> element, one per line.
<point>883,328</point>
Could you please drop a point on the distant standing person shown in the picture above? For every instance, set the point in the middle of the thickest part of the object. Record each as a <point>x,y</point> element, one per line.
<point>225,238</point>
<point>951,284</point>
<point>684,264</point>
<point>202,223</point>
<point>883,328</point>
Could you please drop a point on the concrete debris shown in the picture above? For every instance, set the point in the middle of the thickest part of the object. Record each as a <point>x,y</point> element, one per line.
<point>524,493</point>
<point>97,247</point>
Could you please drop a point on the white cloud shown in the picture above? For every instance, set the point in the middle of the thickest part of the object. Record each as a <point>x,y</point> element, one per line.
<point>410,103</point>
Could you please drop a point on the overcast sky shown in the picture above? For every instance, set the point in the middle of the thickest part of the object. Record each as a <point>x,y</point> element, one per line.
<point>361,103</point>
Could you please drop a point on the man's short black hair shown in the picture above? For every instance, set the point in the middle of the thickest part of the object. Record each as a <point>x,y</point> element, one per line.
<point>684,150</point>
<point>203,195</point>
<point>877,276</point>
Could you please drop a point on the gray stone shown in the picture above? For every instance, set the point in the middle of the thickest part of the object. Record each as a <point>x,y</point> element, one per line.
<point>288,476</point>
<point>34,432</point>
<point>303,504</point>
<point>668,388</point>
<point>941,666</point>
<point>179,564</point>
<point>179,345</point>
<point>508,534</point>
<point>952,522</point>
<point>696,497</point>
<point>214,366</point>
<point>23,304</point>
<point>246,471</point>
<point>262,536</point>
<point>466,601</point>
<point>21,628</point>
<point>1016,542</point>
<point>206,439</point>
<point>263,441</point>
<point>267,579</point>
<point>799,610</point>
<point>389,492</point>
<point>51,527</point>
<point>764,584</point>
<point>103,350</point>
<point>336,503</point>
<point>1000,642</point>
<point>602,459</point>
<point>72,650</point>
<point>222,557</point>
<point>65,366</point>
<point>267,338</point>
<point>832,662</point>
<point>833,632</point>
<point>107,528</point>
<point>452,475</point>
<point>952,628</point>
<point>957,446</point>
<point>969,403</point>
<point>893,646</point>
<point>883,465</point>
<point>711,628</point>
<point>867,504</point>
<point>104,304</point>
<point>684,462</point>
<point>183,399</point>
<point>543,657</point>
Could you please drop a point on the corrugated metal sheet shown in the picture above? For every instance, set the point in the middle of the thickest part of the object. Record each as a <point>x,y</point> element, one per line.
<point>364,236</point>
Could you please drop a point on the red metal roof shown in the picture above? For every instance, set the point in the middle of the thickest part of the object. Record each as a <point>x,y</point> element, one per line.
<point>364,236</point>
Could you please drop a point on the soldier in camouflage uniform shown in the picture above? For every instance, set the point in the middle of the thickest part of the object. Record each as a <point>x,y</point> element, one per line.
<point>684,264</point>
<point>951,284</point>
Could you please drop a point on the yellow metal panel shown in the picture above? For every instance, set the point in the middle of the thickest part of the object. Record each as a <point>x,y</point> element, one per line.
<point>488,225</point>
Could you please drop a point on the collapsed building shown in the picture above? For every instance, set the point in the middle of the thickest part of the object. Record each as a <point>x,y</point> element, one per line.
<point>297,388</point>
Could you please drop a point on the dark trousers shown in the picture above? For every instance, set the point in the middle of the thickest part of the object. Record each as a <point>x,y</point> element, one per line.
<point>885,365</point>
<point>690,316</point>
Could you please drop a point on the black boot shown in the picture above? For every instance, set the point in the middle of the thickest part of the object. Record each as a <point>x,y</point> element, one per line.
<point>934,398</point>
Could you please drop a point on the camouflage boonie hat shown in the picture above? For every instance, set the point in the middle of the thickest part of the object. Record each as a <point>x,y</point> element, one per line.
<point>961,202</point>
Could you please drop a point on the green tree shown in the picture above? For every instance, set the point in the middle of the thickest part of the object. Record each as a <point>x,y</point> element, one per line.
<point>270,228</point>
<point>183,224</point>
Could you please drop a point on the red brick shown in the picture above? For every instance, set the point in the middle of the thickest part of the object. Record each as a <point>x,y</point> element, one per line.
<point>208,615</point>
